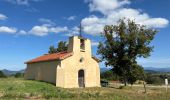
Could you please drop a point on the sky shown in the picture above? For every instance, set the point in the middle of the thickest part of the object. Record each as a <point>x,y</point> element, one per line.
<point>29,27</point>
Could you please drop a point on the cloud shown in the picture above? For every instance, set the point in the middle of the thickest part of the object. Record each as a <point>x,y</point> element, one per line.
<point>94,43</point>
<point>3,17</point>
<point>112,11</point>
<point>5,29</point>
<point>46,22</point>
<point>48,26</point>
<point>71,18</point>
<point>39,30</point>
<point>44,30</point>
<point>58,29</point>
<point>73,31</point>
<point>106,6</point>
<point>21,2</point>
<point>22,32</point>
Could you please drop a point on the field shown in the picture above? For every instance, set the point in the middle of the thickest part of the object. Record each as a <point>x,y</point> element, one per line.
<point>18,88</point>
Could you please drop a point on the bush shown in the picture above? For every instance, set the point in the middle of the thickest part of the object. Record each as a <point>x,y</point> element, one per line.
<point>154,79</point>
<point>121,87</point>
<point>109,75</point>
<point>2,75</point>
<point>19,75</point>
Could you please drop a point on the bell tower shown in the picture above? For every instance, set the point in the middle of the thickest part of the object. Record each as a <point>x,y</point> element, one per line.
<point>78,45</point>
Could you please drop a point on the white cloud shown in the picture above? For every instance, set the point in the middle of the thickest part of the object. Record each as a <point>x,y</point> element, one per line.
<point>44,30</point>
<point>71,18</point>
<point>46,22</point>
<point>94,43</point>
<point>22,32</point>
<point>112,11</point>
<point>106,6</point>
<point>73,31</point>
<point>3,17</point>
<point>5,29</point>
<point>58,29</point>
<point>21,2</point>
<point>39,30</point>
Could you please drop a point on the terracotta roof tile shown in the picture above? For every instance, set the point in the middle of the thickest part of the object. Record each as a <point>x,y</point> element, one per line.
<point>49,57</point>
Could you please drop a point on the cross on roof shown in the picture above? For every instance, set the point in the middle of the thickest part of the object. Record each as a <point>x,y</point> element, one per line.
<point>80,29</point>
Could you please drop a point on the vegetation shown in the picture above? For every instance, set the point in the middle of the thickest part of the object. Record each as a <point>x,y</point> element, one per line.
<point>17,88</point>
<point>109,75</point>
<point>19,75</point>
<point>62,46</point>
<point>2,75</point>
<point>152,78</point>
<point>123,44</point>
<point>156,78</point>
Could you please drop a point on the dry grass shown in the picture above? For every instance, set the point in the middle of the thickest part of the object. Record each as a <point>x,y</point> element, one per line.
<point>12,88</point>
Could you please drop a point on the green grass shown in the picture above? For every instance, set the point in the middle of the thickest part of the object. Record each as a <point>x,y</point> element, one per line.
<point>18,88</point>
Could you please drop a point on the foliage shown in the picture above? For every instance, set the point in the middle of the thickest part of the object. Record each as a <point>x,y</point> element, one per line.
<point>62,46</point>
<point>136,73</point>
<point>52,49</point>
<point>123,44</point>
<point>109,75</point>
<point>2,75</point>
<point>19,75</point>
<point>156,78</point>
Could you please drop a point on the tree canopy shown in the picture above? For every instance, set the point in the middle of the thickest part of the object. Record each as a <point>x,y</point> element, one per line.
<point>62,46</point>
<point>122,44</point>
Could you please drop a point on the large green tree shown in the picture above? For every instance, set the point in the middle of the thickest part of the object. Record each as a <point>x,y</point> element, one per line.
<point>62,46</point>
<point>123,44</point>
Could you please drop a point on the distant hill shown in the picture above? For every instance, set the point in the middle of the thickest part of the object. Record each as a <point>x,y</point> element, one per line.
<point>104,69</point>
<point>8,72</point>
<point>146,69</point>
<point>153,69</point>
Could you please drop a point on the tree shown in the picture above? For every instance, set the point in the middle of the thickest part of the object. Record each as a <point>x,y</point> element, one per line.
<point>123,44</point>
<point>2,75</point>
<point>135,73</point>
<point>62,46</point>
<point>19,75</point>
<point>52,49</point>
<point>109,75</point>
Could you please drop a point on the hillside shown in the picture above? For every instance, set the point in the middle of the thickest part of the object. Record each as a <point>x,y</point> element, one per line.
<point>163,69</point>
<point>9,72</point>
<point>146,69</point>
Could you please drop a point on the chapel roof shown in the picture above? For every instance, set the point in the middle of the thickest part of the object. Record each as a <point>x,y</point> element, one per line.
<point>50,57</point>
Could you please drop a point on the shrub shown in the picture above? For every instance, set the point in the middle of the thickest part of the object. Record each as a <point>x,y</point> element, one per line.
<point>18,75</point>
<point>2,75</point>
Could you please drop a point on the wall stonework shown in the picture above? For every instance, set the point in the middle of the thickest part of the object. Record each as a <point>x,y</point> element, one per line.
<point>42,71</point>
<point>64,73</point>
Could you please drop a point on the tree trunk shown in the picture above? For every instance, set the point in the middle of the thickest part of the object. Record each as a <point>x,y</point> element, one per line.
<point>144,85</point>
<point>125,81</point>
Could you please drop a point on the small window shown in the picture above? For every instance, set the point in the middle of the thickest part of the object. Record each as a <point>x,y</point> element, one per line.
<point>82,44</point>
<point>81,59</point>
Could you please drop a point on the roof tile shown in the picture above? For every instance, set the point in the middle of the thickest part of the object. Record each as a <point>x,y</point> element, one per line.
<point>49,57</point>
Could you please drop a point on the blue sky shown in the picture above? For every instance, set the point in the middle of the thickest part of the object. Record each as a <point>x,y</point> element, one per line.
<point>29,27</point>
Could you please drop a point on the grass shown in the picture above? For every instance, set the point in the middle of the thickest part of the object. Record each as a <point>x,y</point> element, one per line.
<point>18,88</point>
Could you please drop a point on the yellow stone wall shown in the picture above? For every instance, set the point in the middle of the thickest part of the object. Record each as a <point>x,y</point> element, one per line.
<point>72,65</point>
<point>43,71</point>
